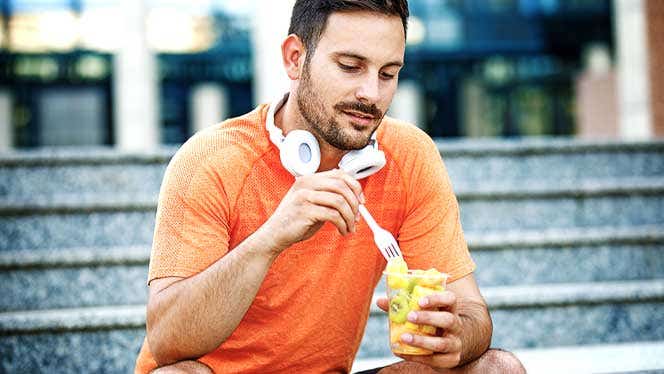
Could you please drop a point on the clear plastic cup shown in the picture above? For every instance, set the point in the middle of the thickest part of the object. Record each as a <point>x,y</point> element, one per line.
<point>404,292</point>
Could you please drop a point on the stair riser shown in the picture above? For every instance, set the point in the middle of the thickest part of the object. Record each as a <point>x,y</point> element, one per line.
<point>546,213</point>
<point>524,266</point>
<point>549,327</point>
<point>135,227</point>
<point>19,182</point>
<point>73,287</point>
<point>112,351</point>
<point>476,171</point>
<point>76,230</point>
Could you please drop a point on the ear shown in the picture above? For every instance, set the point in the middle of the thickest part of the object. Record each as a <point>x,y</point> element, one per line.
<point>293,54</point>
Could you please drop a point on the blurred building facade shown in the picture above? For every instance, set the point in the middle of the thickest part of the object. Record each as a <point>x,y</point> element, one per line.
<point>137,74</point>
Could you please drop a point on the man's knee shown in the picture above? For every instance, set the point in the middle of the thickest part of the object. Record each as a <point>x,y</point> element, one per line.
<point>503,361</point>
<point>184,367</point>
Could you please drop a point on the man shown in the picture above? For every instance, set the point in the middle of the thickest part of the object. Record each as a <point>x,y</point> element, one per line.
<point>255,270</point>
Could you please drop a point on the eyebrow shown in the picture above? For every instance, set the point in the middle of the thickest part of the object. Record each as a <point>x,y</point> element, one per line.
<point>363,59</point>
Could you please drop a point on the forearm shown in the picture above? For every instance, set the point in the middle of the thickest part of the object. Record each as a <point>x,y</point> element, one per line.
<point>193,316</point>
<point>476,331</point>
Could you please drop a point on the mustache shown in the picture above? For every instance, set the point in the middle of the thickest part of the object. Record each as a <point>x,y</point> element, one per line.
<point>371,110</point>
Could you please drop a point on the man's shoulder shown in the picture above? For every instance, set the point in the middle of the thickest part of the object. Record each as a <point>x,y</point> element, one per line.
<point>228,146</point>
<point>245,135</point>
<point>402,139</point>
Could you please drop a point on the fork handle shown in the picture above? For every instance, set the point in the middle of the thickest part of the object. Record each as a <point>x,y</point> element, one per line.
<point>367,217</point>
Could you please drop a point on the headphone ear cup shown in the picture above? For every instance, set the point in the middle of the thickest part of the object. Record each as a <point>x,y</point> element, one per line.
<point>362,163</point>
<point>300,153</point>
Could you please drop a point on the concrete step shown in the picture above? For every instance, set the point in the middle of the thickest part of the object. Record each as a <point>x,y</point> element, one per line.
<point>599,358</point>
<point>549,315</point>
<point>94,220</point>
<point>75,277</point>
<point>85,340</point>
<point>79,277</point>
<point>100,170</point>
<point>86,226</point>
<point>471,163</point>
<point>108,338</point>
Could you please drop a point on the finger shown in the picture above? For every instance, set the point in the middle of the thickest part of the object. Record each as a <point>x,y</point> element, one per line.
<point>445,299</point>
<point>351,182</point>
<point>336,183</point>
<point>383,303</point>
<point>433,343</point>
<point>354,185</point>
<point>336,202</point>
<point>446,320</point>
<point>321,213</point>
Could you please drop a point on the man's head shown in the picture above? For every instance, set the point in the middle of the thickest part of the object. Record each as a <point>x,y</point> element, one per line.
<point>344,57</point>
<point>309,17</point>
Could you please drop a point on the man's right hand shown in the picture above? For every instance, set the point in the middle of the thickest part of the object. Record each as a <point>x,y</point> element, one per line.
<point>332,196</point>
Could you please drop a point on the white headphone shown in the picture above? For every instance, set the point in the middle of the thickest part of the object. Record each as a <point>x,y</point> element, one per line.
<point>300,153</point>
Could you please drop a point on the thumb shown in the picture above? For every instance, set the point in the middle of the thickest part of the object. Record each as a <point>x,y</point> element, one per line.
<point>382,303</point>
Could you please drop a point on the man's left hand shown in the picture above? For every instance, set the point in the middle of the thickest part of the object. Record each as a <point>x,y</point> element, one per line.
<point>438,310</point>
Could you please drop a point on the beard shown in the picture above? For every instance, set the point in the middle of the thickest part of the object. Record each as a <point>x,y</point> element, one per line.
<point>312,108</point>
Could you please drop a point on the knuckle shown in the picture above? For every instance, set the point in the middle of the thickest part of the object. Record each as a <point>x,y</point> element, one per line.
<point>440,345</point>
<point>450,297</point>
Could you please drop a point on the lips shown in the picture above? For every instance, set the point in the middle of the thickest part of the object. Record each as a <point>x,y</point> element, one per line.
<point>359,114</point>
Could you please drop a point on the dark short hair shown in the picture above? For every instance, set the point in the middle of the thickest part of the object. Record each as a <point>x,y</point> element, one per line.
<point>309,17</point>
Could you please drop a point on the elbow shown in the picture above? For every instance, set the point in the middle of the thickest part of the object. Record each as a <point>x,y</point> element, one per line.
<point>163,348</point>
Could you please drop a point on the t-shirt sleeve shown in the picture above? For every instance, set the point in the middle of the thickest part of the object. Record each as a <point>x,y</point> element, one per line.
<point>191,225</point>
<point>431,234</point>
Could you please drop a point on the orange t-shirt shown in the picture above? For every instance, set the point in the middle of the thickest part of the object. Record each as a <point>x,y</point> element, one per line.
<point>311,309</point>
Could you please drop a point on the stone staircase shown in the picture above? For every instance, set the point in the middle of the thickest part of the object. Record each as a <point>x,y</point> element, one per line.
<point>568,237</point>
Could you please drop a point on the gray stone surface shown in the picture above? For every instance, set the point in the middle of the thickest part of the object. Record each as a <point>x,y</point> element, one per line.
<point>72,287</point>
<point>595,211</point>
<point>90,225</point>
<point>105,351</point>
<point>568,264</point>
<point>76,230</point>
<point>561,212</point>
<point>23,183</point>
<point>473,171</point>
<point>551,326</point>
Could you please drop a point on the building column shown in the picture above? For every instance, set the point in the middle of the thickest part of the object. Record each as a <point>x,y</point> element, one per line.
<point>209,105</point>
<point>6,130</point>
<point>407,104</point>
<point>633,70</point>
<point>655,21</point>
<point>135,84</point>
<point>270,29</point>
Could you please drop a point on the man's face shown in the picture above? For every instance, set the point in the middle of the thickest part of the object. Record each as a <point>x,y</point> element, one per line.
<point>350,81</point>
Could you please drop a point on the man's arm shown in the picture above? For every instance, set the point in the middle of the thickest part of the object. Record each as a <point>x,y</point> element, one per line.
<point>187,318</point>
<point>463,316</point>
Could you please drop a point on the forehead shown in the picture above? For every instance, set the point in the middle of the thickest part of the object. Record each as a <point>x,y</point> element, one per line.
<point>376,36</point>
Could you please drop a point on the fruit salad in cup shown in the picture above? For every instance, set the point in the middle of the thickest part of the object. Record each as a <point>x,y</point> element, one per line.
<point>405,288</point>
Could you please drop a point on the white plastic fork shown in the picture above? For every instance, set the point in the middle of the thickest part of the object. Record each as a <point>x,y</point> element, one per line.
<point>384,239</point>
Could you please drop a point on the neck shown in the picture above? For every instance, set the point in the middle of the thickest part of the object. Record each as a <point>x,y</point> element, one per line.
<point>288,118</point>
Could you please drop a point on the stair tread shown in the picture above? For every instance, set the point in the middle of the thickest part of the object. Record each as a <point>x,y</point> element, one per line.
<point>557,294</point>
<point>90,201</point>
<point>137,254</point>
<point>541,295</point>
<point>450,148</point>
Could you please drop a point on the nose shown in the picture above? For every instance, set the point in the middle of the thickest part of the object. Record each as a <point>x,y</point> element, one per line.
<point>368,91</point>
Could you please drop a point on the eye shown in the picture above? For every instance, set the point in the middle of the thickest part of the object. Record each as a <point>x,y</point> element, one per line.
<point>387,76</point>
<point>349,68</point>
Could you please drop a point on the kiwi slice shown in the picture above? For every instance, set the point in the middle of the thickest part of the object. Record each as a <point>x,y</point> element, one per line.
<point>399,308</point>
